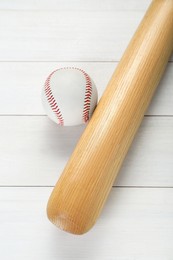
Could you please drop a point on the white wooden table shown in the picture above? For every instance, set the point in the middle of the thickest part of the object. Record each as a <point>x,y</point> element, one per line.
<point>35,38</point>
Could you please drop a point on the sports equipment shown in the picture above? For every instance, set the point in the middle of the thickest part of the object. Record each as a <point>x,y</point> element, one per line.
<point>83,188</point>
<point>69,96</point>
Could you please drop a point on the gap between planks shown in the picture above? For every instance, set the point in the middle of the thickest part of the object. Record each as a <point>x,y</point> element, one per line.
<point>18,115</point>
<point>116,187</point>
<point>64,61</point>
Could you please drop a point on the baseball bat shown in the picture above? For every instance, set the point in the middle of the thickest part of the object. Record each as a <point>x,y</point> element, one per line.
<point>83,187</point>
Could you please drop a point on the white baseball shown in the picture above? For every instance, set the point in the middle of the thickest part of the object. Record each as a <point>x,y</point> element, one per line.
<point>69,96</point>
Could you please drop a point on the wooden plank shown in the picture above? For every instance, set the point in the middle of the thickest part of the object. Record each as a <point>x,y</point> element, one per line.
<point>75,5</point>
<point>135,224</point>
<point>34,151</point>
<point>66,36</point>
<point>22,83</point>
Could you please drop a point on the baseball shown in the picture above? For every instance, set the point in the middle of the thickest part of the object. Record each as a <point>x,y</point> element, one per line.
<point>69,96</point>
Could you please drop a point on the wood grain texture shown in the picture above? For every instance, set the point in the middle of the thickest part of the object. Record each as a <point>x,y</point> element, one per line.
<point>75,5</point>
<point>23,87</point>
<point>135,224</point>
<point>66,36</point>
<point>82,189</point>
<point>34,152</point>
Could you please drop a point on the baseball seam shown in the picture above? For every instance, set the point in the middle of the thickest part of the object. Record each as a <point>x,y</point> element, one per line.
<point>51,100</point>
<point>88,94</point>
<point>87,98</point>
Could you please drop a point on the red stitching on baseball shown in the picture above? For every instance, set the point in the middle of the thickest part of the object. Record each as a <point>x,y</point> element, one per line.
<point>88,93</point>
<point>52,101</point>
<point>87,99</point>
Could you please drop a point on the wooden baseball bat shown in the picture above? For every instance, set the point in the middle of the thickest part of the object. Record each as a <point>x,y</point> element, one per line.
<point>86,181</point>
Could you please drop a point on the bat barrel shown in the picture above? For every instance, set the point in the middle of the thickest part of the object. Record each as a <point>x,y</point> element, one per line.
<point>80,193</point>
